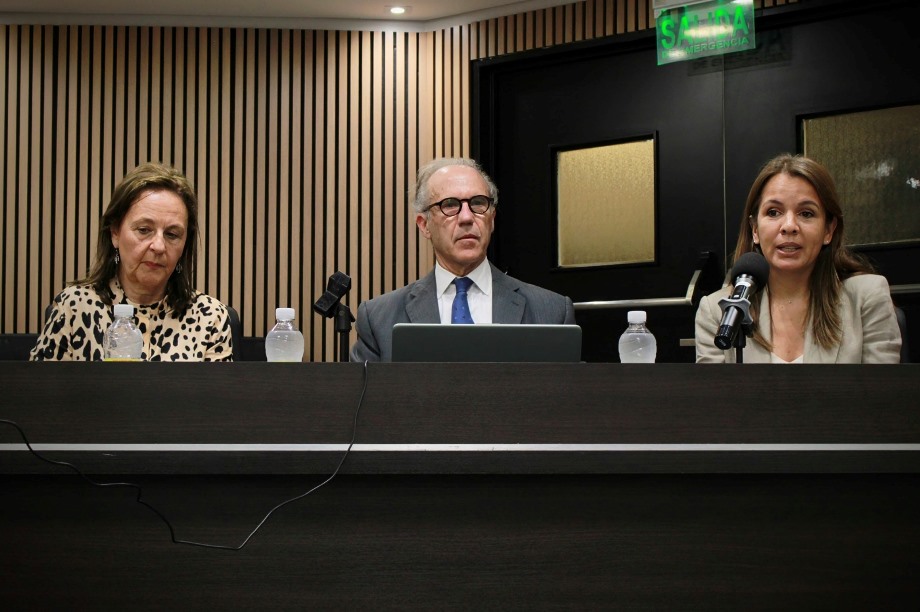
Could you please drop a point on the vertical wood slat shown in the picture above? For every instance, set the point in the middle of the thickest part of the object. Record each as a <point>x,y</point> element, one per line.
<point>317,183</point>
<point>341,227</point>
<point>10,285</point>
<point>50,231</point>
<point>211,159</point>
<point>392,215</point>
<point>362,272</point>
<point>21,177</point>
<point>32,213</point>
<point>303,146</point>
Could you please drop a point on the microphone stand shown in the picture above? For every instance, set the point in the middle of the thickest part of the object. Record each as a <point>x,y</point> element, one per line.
<point>343,321</point>
<point>739,341</point>
<point>746,331</point>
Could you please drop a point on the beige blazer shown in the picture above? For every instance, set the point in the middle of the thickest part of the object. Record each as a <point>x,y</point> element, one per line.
<point>870,327</point>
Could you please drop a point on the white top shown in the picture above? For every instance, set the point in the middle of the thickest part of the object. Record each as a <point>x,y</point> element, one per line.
<point>774,358</point>
<point>479,296</point>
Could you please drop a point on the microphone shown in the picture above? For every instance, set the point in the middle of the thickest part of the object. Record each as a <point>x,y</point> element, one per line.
<point>750,273</point>
<point>328,305</point>
<point>336,287</point>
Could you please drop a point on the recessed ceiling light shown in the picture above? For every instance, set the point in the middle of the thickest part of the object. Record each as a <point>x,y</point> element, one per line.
<point>397,10</point>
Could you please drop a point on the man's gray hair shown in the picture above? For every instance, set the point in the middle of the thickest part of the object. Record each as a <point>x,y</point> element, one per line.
<point>423,192</point>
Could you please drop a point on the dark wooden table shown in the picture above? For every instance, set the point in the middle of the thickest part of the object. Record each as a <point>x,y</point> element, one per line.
<point>532,486</point>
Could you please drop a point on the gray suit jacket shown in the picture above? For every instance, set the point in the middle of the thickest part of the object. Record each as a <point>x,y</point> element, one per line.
<point>513,301</point>
<point>870,327</point>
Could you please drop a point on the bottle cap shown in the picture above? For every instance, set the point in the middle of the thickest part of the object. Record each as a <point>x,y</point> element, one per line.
<point>124,310</point>
<point>635,316</point>
<point>284,314</point>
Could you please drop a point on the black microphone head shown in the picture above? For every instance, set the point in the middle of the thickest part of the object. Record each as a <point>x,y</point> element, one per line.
<point>337,286</point>
<point>754,265</point>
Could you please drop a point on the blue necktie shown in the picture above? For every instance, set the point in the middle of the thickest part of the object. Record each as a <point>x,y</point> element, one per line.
<point>460,311</point>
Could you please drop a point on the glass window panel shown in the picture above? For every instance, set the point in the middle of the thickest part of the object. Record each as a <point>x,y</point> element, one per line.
<point>874,157</point>
<point>606,204</point>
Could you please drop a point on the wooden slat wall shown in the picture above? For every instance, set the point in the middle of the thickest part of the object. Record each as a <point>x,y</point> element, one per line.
<point>303,146</point>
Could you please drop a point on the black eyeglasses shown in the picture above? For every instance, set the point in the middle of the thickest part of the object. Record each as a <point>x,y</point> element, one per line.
<point>450,207</point>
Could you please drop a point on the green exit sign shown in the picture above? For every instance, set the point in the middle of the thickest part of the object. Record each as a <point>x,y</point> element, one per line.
<point>701,29</point>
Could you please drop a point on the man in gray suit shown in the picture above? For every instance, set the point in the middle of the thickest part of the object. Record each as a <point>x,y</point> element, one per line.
<point>455,204</point>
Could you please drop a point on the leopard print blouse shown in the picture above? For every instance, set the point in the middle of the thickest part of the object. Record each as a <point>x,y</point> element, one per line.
<point>75,328</point>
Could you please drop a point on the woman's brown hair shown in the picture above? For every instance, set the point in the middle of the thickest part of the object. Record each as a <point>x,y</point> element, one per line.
<point>151,176</point>
<point>835,263</point>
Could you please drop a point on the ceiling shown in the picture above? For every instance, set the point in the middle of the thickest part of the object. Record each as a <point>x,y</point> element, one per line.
<point>320,14</point>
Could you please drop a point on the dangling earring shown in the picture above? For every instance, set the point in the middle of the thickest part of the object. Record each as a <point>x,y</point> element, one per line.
<point>117,258</point>
<point>179,268</point>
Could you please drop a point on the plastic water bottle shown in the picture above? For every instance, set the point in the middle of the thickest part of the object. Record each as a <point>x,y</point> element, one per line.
<point>637,344</point>
<point>123,340</point>
<point>284,342</point>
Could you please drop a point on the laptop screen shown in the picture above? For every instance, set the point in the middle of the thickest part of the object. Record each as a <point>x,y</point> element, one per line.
<point>497,342</point>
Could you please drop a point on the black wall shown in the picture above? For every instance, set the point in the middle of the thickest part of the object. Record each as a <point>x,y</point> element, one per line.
<point>716,121</point>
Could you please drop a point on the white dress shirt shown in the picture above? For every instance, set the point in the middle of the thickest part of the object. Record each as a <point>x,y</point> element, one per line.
<point>479,296</point>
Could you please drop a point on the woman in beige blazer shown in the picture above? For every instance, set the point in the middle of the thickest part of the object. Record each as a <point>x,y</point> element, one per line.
<point>822,303</point>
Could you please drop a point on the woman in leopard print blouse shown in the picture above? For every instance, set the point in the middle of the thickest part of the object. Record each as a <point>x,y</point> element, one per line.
<point>146,255</point>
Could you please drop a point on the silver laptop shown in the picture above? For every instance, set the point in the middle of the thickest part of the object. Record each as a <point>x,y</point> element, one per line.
<point>497,342</point>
